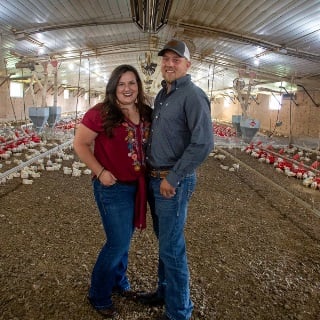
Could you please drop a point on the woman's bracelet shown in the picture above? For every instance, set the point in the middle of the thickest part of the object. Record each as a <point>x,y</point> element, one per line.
<point>98,176</point>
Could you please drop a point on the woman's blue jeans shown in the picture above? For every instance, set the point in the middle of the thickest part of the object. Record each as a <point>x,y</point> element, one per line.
<point>116,207</point>
<point>169,218</point>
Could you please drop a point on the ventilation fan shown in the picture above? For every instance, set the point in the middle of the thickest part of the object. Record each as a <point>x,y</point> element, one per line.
<point>238,84</point>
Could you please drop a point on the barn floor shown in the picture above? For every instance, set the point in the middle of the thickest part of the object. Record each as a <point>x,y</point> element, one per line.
<point>254,252</point>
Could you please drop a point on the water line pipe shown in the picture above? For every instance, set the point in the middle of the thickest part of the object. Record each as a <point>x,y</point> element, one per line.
<point>34,159</point>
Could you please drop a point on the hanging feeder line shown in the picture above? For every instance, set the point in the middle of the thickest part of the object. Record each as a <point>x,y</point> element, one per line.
<point>36,158</point>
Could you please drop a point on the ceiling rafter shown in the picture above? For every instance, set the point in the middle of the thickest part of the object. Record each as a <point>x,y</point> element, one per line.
<point>273,47</point>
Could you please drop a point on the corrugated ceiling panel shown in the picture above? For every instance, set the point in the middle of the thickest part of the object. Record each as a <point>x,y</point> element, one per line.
<point>228,35</point>
<point>32,14</point>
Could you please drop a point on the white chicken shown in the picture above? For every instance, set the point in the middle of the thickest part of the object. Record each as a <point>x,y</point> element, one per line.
<point>220,156</point>
<point>307,181</point>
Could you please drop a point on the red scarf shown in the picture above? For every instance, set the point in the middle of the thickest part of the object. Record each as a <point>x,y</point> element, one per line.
<point>140,212</point>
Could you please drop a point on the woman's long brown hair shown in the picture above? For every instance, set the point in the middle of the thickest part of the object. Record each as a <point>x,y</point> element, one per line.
<point>110,112</point>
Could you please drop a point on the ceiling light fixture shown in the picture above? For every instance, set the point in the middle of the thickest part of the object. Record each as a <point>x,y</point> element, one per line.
<point>150,15</point>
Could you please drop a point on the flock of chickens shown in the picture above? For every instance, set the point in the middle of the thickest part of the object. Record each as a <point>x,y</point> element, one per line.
<point>292,161</point>
<point>24,154</point>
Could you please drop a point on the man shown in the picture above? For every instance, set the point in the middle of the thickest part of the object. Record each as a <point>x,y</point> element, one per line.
<point>181,139</point>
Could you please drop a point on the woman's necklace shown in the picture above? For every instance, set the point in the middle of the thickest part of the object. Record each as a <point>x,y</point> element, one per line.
<point>131,113</point>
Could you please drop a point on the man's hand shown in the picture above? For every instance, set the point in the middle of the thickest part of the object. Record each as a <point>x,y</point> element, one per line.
<point>166,189</point>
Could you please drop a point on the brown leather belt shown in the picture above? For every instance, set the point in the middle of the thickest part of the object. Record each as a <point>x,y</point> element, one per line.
<point>160,174</point>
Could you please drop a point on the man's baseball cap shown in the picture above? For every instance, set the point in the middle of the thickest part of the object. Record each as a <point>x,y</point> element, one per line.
<point>177,46</point>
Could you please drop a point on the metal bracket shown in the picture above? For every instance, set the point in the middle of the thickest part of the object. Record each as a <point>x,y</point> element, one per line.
<point>289,95</point>
<point>305,90</point>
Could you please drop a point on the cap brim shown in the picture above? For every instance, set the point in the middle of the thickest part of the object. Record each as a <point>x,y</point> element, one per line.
<point>161,53</point>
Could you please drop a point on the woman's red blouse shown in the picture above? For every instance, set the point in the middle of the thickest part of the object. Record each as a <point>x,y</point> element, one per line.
<point>124,153</point>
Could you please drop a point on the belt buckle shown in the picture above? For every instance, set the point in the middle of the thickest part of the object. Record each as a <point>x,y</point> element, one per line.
<point>155,173</point>
<point>158,173</point>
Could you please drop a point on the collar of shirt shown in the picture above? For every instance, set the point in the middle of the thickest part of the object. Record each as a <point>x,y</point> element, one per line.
<point>177,83</point>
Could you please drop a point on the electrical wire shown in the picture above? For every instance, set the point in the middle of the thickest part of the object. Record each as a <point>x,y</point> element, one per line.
<point>76,118</point>
<point>24,100</point>
<point>89,81</point>
<point>8,84</point>
<point>212,79</point>
<point>278,113</point>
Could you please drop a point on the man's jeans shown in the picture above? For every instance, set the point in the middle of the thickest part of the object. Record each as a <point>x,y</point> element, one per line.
<point>116,207</point>
<point>169,218</point>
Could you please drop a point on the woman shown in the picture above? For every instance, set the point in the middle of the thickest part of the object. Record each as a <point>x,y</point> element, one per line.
<point>111,141</point>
